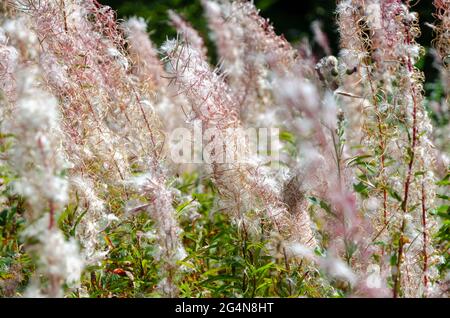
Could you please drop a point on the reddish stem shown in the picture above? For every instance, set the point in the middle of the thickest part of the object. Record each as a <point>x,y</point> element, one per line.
<point>397,277</point>
<point>52,215</point>
<point>401,244</point>
<point>424,224</point>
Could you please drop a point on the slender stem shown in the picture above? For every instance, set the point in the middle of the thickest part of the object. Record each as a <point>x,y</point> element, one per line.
<point>382,146</point>
<point>397,276</point>
<point>52,214</point>
<point>425,238</point>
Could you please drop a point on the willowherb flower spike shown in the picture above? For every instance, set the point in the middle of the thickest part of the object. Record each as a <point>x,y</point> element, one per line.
<point>32,115</point>
<point>382,47</point>
<point>212,104</point>
<point>441,43</point>
<point>442,40</point>
<point>37,159</point>
<point>249,50</point>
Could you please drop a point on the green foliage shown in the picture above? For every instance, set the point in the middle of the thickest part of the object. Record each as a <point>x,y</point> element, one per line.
<point>226,262</point>
<point>16,265</point>
<point>222,260</point>
<point>443,211</point>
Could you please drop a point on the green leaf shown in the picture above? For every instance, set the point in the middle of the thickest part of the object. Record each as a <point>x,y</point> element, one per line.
<point>445,181</point>
<point>443,211</point>
<point>361,188</point>
<point>322,204</point>
<point>393,260</point>
<point>287,136</point>
<point>264,268</point>
<point>394,195</point>
<point>72,231</point>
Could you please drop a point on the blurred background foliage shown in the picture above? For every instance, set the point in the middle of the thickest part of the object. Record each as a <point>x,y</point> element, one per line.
<point>291,18</point>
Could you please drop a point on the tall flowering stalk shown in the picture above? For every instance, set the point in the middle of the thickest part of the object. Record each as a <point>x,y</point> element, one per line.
<point>150,73</point>
<point>73,61</point>
<point>442,29</point>
<point>367,125</point>
<point>397,134</point>
<point>38,161</point>
<point>38,146</point>
<point>188,32</point>
<point>249,50</point>
<point>32,116</point>
<point>120,111</point>
<point>442,62</point>
<point>212,104</point>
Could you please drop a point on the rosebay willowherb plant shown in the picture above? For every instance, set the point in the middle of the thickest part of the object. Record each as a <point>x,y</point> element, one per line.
<point>304,175</point>
<point>396,136</point>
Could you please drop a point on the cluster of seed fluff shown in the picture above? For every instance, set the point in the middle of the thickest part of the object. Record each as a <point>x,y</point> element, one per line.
<point>442,41</point>
<point>32,116</point>
<point>146,64</point>
<point>249,50</point>
<point>37,159</point>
